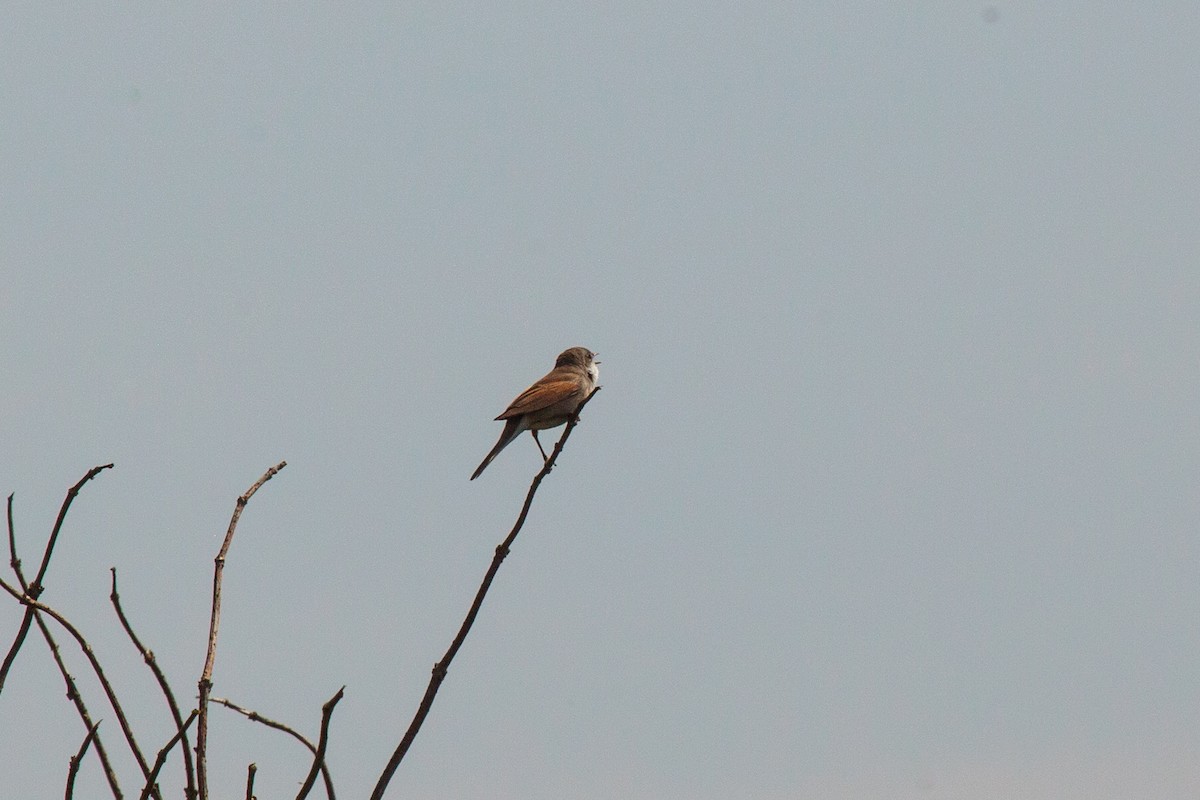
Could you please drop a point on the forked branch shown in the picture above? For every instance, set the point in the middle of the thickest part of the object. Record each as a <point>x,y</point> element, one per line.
<point>105,684</point>
<point>72,690</point>
<point>34,589</point>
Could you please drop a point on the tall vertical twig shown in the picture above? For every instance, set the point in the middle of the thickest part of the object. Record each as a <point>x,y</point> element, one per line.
<point>35,588</point>
<point>205,685</point>
<point>441,667</point>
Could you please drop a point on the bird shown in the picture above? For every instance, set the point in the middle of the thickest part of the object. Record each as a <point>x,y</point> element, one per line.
<point>549,402</point>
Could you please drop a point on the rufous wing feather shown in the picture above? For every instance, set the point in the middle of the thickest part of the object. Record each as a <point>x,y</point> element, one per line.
<point>542,394</point>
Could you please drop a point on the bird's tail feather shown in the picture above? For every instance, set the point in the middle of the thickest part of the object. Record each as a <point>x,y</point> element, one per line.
<point>511,431</point>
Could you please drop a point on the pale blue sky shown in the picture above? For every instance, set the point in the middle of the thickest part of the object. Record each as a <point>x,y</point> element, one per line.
<point>892,488</point>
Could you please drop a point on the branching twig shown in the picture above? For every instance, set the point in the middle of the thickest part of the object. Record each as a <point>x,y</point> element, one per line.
<point>319,757</point>
<point>77,758</point>
<point>152,662</point>
<point>440,668</point>
<point>77,699</point>
<point>181,733</point>
<point>254,716</point>
<point>34,589</point>
<point>95,662</point>
<point>214,623</point>
<point>72,690</point>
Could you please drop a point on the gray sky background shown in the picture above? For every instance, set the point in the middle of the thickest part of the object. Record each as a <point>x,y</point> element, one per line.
<point>892,488</point>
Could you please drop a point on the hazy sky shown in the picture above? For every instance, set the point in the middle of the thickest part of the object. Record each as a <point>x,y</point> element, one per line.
<point>891,491</point>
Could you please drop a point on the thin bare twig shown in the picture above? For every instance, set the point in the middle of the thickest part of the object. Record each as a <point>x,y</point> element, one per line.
<point>73,693</point>
<point>254,716</point>
<point>152,662</point>
<point>214,624</point>
<point>76,698</point>
<point>253,768</point>
<point>77,758</point>
<point>441,667</point>
<point>96,668</point>
<point>13,561</point>
<point>319,757</point>
<point>35,588</point>
<point>162,757</point>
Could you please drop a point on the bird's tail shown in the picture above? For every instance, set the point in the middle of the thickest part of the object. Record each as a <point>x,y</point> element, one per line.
<point>511,431</point>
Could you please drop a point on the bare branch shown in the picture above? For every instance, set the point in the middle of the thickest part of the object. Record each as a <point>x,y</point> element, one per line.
<point>95,662</point>
<point>319,758</point>
<point>34,589</point>
<point>72,690</point>
<point>152,662</point>
<point>150,786</point>
<point>36,586</point>
<point>254,716</point>
<point>77,758</point>
<point>253,768</point>
<point>214,624</point>
<point>77,699</point>
<point>441,667</point>
<point>13,561</point>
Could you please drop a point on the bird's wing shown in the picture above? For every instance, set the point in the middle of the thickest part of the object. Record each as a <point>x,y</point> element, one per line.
<point>542,394</point>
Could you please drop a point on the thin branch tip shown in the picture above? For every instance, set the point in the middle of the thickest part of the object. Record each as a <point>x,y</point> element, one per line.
<point>322,742</point>
<point>441,668</point>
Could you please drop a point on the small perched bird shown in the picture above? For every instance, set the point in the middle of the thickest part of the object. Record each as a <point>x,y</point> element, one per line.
<point>549,402</point>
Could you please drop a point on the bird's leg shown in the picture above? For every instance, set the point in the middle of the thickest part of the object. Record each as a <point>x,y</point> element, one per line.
<point>539,444</point>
